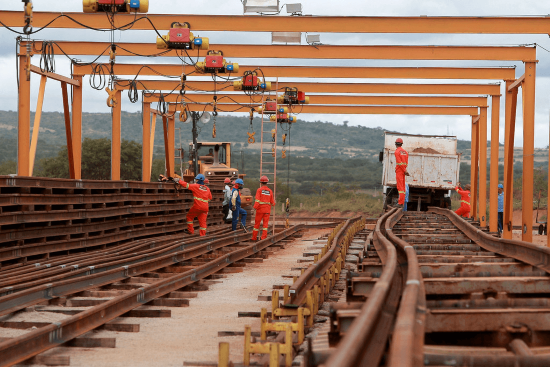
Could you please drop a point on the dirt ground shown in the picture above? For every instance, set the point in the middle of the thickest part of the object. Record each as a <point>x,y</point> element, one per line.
<point>191,334</point>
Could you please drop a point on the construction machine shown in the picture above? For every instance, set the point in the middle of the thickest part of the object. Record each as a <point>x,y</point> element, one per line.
<point>213,160</point>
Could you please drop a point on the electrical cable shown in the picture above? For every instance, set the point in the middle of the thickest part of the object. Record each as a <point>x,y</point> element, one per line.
<point>47,57</point>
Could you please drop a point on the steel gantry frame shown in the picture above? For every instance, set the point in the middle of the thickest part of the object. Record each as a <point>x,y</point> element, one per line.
<point>408,25</point>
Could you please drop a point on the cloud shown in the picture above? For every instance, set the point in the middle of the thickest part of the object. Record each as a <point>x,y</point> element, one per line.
<point>94,101</point>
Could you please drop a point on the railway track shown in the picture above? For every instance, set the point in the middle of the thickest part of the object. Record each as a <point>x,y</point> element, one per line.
<point>95,299</point>
<point>435,290</point>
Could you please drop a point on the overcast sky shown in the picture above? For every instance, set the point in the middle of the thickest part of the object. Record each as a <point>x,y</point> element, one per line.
<point>94,101</point>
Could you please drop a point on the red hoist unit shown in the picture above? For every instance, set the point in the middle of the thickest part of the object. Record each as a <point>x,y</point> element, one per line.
<point>293,96</point>
<point>180,37</point>
<point>269,107</point>
<point>214,63</point>
<point>251,82</point>
<point>115,6</point>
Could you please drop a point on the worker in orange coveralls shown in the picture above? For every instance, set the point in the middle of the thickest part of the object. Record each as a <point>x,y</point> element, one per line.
<point>401,163</point>
<point>464,210</point>
<point>264,202</point>
<point>201,196</point>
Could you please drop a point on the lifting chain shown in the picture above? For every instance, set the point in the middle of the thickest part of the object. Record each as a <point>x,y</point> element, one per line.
<point>273,151</point>
<point>27,29</point>
<point>273,132</point>
<point>251,133</point>
<point>214,128</point>
<point>287,210</point>
<point>183,112</point>
<point>183,78</point>
<point>283,153</point>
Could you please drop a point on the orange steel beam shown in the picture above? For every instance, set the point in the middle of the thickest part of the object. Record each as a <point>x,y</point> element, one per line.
<point>475,181</point>
<point>116,139</point>
<point>511,98</point>
<point>528,103</point>
<point>67,114</point>
<point>517,83</point>
<point>497,53</point>
<point>36,127</point>
<point>77,128</point>
<point>23,120</point>
<point>146,123</point>
<point>59,78</point>
<point>325,24</point>
<point>482,167</point>
<point>504,73</point>
<point>326,100</point>
<point>493,175</point>
<point>367,110</point>
<point>333,88</point>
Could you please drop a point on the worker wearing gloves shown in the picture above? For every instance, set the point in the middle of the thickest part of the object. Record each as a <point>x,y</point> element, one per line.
<point>464,210</point>
<point>262,205</point>
<point>500,207</point>
<point>201,196</point>
<point>401,163</point>
<point>226,198</point>
<point>236,205</point>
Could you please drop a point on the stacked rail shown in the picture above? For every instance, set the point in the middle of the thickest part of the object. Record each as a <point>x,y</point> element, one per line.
<point>438,291</point>
<point>41,217</point>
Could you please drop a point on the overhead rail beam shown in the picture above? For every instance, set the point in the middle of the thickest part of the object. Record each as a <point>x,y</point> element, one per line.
<point>328,99</point>
<point>325,24</point>
<point>362,110</point>
<point>500,73</point>
<point>333,88</point>
<point>497,53</point>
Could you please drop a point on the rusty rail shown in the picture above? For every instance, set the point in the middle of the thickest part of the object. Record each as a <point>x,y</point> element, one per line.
<point>28,345</point>
<point>407,345</point>
<point>312,274</point>
<point>365,341</point>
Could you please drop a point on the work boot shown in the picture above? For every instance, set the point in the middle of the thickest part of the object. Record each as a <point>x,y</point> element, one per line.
<point>189,232</point>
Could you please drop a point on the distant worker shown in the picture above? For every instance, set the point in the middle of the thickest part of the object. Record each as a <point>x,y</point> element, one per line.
<point>236,205</point>
<point>264,202</point>
<point>500,207</point>
<point>210,152</point>
<point>401,163</point>
<point>226,199</point>
<point>406,197</point>
<point>464,210</point>
<point>201,196</point>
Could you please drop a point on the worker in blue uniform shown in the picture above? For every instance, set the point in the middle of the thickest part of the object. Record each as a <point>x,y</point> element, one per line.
<point>236,205</point>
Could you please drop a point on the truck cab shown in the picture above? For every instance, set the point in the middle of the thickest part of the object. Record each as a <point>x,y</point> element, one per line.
<point>434,167</point>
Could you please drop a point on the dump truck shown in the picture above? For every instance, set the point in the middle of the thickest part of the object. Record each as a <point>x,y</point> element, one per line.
<point>434,167</point>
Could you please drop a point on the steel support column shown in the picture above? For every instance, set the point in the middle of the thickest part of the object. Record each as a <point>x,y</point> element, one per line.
<point>528,103</point>
<point>67,115</point>
<point>473,167</point>
<point>77,128</point>
<point>511,98</point>
<point>146,150</point>
<point>165,129</point>
<point>493,182</point>
<point>152,141</point>
<point>171,144</point>
<point>482,141</point>
<point>116,139</point>
<point>36,127</point>
<point>23,120</point>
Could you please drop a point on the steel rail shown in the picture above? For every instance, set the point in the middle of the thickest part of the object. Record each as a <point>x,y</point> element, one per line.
<point>41,269</point>
<point>407,346</point>
<point>365,341</point>
<point>306,281</point>
<point>89,278</point>
<point>484,361</point>
<point>30,344</point>
<point>538,256</point>
<point>152,247</point>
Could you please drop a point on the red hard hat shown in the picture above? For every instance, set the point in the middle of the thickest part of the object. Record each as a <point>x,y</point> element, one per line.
<point>399,140</point>
<point>227,180</point>
<point>264,179</point>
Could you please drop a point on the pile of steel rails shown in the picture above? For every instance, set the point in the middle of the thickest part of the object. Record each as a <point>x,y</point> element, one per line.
<point>42,218</point>
<point>435,290</point>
